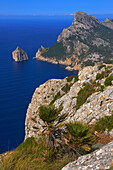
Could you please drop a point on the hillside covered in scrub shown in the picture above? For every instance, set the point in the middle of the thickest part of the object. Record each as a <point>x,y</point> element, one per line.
<point>86,42</point>
<point>68,120</point>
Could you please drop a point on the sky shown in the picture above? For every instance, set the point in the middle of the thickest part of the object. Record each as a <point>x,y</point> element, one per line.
<point>55,7</point>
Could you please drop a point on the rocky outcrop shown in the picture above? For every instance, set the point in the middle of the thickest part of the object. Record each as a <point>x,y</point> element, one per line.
<point>42,96</point>
<point>97,105</point>
<point>100,159</point>
<point>85,42</point>
<point>19,55</point>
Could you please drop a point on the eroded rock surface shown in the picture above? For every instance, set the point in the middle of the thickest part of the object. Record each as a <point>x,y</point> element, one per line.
<point>19,55</point>
<point>100,159</point>
<point>97,105</point>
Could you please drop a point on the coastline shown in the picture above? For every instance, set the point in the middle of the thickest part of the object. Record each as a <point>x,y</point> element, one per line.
<point>65,63</point>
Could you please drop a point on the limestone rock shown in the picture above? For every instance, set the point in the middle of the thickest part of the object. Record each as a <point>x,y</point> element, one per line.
<point>19,55</point>
<point>97,105</point>
<point>100,159</point>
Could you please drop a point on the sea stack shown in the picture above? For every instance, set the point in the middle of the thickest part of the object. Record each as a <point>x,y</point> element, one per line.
<point>19,55</point>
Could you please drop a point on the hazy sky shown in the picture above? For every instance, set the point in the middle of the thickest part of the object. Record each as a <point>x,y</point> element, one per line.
<point>53,7</point>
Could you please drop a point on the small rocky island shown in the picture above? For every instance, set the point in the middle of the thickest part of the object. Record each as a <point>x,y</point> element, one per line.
<point>19,55</point>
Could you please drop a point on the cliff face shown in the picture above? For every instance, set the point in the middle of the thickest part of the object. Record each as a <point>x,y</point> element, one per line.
<point>86,42</point>
<point>97,105</point>
<point>19,55</point>
<point>64,94</point>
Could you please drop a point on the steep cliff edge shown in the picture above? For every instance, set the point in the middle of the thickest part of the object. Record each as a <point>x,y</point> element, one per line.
<point>95,106</point>
<point>86,99</point>
<point>86,42</point>
<point>19,55</point>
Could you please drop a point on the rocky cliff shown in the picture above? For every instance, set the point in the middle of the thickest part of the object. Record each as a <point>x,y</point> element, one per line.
<point>86,42</point>
<point>100,159</point>
<point>85,99</point>
<point>19,55</point>
<point>97,105</point>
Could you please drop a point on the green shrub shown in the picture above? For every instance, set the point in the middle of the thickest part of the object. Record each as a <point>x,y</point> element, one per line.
<point>69,79</point>
<point>100,76</point>
<point>104,123</point>
<point>67,87</point>
<point>108,81</point>
<point>103,65</point>
<point>58,95</point>
<point>83,94</point>
<point>103,74</point>
<point>102,88</point>
<point>49,113</point>
<point>79,132</point>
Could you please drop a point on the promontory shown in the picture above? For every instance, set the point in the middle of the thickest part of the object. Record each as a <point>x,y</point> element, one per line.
<point>86,42</point>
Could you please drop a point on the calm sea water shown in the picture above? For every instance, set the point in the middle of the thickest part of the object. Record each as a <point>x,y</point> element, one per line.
<point>19,80</point>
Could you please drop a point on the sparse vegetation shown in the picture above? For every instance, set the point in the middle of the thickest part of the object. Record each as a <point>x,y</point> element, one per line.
<point>102,88</point>
<point>55,51</point>
<point>57,96</point>
<point>103,74</point>
<point>67,87</point>
<point>63,116</point>
<point>104,123</point>
<point>103,65</point>
<point>83,94</point>
<point>70,78</point>
<point>32,154</point>
<point>108,81</point>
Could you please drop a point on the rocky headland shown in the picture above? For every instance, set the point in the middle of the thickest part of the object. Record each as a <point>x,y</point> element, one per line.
<point>19,55</point>
<point>65,93</point>
<point>86,42</point>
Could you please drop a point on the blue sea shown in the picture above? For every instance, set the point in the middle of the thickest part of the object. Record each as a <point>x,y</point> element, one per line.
<point>18,81</point>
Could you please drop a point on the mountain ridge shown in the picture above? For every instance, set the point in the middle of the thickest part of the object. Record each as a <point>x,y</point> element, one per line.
<point>86,42</point>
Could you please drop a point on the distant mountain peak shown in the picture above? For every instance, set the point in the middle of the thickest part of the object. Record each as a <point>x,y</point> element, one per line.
<point>84,18</point>
<point>108,20</point>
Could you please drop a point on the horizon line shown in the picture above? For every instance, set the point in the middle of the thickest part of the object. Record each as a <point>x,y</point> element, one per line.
<point>50,15</point>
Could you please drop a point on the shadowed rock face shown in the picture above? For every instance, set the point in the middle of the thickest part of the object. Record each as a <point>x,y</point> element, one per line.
<point>19,55</point>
